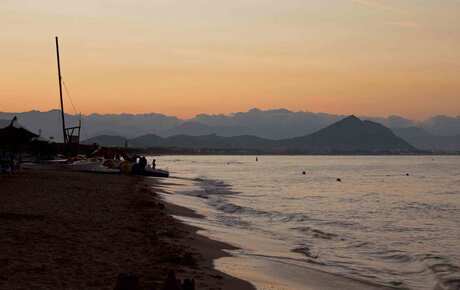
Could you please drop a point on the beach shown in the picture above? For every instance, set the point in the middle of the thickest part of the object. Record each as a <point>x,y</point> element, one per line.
<point>62,229</point>
<point>72,230</point>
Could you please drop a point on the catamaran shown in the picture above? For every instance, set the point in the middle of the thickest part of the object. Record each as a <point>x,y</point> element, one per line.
<point>71,137</point>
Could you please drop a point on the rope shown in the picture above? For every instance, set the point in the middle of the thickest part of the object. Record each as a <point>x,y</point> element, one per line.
<point>70,98</point>
<point>73,106</point>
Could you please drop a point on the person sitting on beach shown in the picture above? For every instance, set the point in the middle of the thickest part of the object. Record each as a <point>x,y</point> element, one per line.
<point>142,163</point>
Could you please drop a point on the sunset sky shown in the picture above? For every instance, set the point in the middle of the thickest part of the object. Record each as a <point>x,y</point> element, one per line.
<point>367,57</point>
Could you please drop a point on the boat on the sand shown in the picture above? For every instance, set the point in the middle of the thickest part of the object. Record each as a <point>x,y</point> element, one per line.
<point>94,166</point>
<point>103,166</point>
<point>149,171</point>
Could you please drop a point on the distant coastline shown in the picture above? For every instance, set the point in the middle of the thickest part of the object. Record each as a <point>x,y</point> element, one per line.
<point>435,134</point>
<point>350,135</point>
<point>181,151</point>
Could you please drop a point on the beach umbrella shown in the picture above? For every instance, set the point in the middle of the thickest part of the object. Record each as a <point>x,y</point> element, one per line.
<point>15,134</point>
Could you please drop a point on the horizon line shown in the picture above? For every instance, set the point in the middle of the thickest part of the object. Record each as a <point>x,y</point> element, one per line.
<point>236,112</point>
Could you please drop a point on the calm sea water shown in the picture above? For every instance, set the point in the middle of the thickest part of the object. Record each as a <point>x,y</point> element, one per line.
<point>391,220</point>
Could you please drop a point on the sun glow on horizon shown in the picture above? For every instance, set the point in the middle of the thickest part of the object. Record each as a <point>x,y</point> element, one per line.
<point>181,58</point>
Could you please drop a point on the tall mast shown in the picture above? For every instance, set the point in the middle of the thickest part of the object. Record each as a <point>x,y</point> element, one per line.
<point>60,91</point>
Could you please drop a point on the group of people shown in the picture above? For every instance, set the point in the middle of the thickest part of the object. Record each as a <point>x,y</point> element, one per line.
<point>141,164</point>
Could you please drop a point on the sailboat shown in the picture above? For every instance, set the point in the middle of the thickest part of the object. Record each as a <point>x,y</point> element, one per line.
<point>72,140</point>
<point>71,135</point>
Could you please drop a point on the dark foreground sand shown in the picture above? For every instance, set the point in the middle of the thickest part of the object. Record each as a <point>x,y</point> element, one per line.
<point>69,230</point>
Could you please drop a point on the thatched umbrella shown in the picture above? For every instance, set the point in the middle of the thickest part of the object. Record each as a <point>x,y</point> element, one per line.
<point>15,135</point>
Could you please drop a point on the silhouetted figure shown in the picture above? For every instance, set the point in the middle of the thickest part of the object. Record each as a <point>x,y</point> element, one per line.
<point>139,166</point>
<point>407,174</point>
<point>142,163</point>
<point>304,173</point>
<point>339,180</point>
<point>257,159</point>
<point>154,164</point>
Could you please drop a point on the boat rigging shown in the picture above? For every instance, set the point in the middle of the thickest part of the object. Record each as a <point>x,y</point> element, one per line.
<point>71,135</point>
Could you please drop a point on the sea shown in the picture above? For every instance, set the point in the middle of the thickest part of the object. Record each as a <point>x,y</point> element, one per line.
<point>388,220</point>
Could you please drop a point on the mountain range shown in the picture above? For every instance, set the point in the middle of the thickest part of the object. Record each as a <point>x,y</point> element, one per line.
<point>439,133</point>
<point>349,135</point>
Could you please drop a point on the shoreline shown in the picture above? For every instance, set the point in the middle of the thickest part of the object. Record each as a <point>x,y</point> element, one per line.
<point>65,230</point>
<point>266,272</point>
<point>210,250</point>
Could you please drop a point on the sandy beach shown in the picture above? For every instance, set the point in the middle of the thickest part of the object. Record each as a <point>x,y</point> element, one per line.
<point>70,230</point>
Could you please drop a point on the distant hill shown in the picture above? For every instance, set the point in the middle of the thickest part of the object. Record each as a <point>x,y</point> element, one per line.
<point>424,140</point>
<point>4,123</point>
<point>194,128</point>
<point>211,141</point>
<point>275,124</point>
<point>442,125</point>
<point>144,141</point>
<point>126,125</point>
<point>392,121</point>
<point>106,141</point>
<point>270,124</point>
<point>350,135</point>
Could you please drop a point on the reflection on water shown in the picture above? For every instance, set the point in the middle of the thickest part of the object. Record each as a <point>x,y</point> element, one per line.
<point>392,220</point>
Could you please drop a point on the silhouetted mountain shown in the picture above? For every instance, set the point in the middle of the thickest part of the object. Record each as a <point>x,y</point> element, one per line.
<point>126,125</point>
<point>193,128</point>
<point>392,121</point>
<point>350,135</point>
<point>411,132</point>
<point>195,142</point>
<point>4,123</point>
<point>270,124</point>
<point>144,141</point>
<point>424,140</point>
<point>442,125</point>
<point>217,142</point>
<point>106,140</point>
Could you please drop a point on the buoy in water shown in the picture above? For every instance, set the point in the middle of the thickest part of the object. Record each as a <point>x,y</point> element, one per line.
<point>303,172</point>
<point>339,180</point>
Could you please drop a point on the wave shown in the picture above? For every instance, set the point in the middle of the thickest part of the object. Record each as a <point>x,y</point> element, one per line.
<point>225,206</point>
<point>315,233</point>
<point>216,192</point>
<point>338,250</point>
<point>214,186</point>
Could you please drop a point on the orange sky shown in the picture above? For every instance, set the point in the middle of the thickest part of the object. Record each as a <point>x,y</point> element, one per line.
<point>366,57</point>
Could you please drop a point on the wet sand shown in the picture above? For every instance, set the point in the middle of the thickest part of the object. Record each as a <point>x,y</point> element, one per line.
<point>70,230</point>
<point>269,274</point>
<point>265,272</point>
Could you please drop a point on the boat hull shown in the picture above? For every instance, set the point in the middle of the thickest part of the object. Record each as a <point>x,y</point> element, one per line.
<point>155,173</point>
